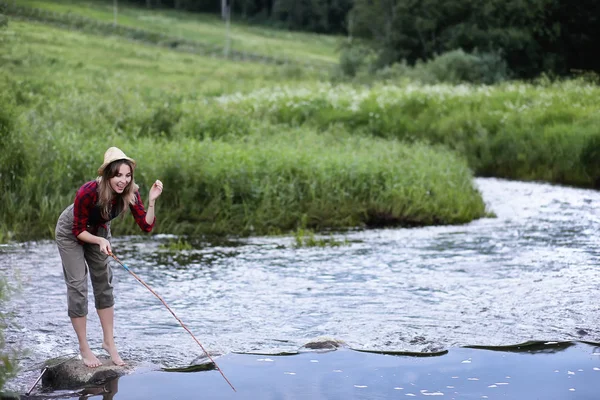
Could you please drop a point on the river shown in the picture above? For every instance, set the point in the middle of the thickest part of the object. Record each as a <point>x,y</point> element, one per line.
<point>530,273</point>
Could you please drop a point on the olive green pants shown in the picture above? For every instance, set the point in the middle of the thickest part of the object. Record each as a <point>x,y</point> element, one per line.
<point>77,260</point>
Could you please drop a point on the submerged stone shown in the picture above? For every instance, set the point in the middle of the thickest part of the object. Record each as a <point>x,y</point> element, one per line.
<point>324,344</point>
<point>201,363</point>
<point>72,373</point>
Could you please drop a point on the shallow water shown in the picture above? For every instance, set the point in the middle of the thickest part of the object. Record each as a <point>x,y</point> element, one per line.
<point>529,274</point>
<point>570,373</point>
<point>549,371</point>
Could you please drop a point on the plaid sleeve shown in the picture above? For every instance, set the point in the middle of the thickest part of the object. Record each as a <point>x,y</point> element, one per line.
<point>85,199</point>
<point>139,213</point>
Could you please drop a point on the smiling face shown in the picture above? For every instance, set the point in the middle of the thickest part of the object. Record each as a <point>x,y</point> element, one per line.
<point>121,178</point>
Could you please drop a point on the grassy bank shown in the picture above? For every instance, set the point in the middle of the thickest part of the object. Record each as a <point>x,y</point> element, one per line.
<point>277,180</point>
<point>273,180</point>
<point>539,131</point>
<point>67,96</point>
<point>544,131</point>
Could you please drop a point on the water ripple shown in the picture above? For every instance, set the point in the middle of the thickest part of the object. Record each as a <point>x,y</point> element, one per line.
<point>529,274</point>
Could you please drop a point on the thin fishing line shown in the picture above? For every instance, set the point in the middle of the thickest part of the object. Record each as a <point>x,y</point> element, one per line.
<point>176,317</point>
<point>42,364</point>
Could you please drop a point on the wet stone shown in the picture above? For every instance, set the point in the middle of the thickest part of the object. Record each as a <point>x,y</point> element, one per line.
<point>71,373</point>
<point>324,344</point>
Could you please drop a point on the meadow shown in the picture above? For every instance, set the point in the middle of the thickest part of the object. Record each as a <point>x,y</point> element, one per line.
<point>202,28</point>
<point>261,148</point>
<point>544,131</point>
<point>67,96</point>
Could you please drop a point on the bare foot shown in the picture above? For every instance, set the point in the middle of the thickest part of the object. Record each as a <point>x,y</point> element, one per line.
<point>114,354</point>
<point>90,359</point>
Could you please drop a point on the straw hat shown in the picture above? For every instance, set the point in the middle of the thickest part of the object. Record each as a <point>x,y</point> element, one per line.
<point>113,154</point>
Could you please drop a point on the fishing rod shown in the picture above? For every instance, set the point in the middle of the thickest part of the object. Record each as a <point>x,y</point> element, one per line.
<point>176,317</point>
<point>36,381</point>
<point>45,369</point>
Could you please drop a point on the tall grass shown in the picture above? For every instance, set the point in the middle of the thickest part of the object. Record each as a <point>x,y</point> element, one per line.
<point>274,180</point>
<point>278,179</point>
<point>69,96</point>
<point>543,131</point>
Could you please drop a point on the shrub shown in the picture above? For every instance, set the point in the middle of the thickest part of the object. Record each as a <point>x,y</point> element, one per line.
<point>458,67</point>
<point>354,58</point>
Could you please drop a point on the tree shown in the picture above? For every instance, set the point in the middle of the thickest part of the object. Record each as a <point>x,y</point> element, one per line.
<point>534,36</point>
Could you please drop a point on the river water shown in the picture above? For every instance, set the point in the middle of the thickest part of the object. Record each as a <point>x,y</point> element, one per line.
<point>528,274</point>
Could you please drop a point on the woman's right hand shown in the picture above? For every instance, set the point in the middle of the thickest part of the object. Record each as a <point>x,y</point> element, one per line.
<point>104,245</point>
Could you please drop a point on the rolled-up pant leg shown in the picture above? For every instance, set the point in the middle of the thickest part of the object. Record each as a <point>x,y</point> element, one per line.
<point>100,272</point>
<point>74,265</point>
<point>76,259</point>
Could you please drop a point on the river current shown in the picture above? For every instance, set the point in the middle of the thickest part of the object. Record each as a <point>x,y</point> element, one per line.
<point>530,273</point>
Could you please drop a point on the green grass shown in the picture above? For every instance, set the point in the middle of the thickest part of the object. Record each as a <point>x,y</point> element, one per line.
<point>66,96</point>
<point>205,28</point>
<point>307,238</point>
<point>529,131</point>
<point>271,183</point>
<point>39,53</point>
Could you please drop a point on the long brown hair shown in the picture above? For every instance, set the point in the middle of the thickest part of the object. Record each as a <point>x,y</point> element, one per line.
<point>106,193</point>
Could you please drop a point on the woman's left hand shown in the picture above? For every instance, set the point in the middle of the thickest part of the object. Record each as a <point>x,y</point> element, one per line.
<point>156,190</point>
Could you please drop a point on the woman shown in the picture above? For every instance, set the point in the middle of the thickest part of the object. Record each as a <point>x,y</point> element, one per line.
<point>83,239</point>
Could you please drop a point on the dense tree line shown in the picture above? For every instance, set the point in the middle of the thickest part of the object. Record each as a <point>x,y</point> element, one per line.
<point>555,36</point>
<point>322,16</point>
<point>533,36</point>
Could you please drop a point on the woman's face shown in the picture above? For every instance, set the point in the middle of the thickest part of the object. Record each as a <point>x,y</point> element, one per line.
<point>119,182</point>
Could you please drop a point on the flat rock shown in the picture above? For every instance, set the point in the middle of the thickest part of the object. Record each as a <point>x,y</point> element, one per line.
<point>72,373</point>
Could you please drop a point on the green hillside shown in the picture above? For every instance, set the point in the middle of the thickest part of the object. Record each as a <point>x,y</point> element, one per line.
<point>205,29</point>
<point>259,147</point>
<point>46,55</point>
<point>66,95</point>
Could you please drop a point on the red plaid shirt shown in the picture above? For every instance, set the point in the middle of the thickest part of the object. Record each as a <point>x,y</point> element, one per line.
<point>87,214</point>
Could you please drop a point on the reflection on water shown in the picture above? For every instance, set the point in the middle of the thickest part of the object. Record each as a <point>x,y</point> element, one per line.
<point>529,274</point>
<point>562,372</point>
<point>532,347</point>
